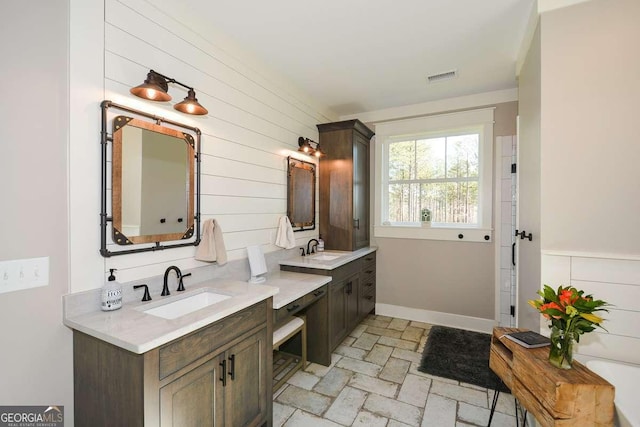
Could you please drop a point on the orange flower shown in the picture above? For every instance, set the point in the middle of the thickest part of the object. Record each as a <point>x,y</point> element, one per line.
<point>566,297</point>
<point>550,305</point>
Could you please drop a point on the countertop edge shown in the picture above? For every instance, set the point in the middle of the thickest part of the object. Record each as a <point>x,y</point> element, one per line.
<point>304,262</point>
<point>309,283</point>
<point>82,322</point>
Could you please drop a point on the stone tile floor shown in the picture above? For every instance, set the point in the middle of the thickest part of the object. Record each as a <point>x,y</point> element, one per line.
<point>374,381</point>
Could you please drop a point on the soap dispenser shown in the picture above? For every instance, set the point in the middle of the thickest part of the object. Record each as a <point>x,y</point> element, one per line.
<point>320,244</point>
<point>111,296</point>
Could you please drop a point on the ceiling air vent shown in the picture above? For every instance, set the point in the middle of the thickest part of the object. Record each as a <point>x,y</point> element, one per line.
<point>442,76</point>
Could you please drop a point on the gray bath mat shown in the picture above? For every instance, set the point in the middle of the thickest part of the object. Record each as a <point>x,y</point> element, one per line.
<point>459,355</point>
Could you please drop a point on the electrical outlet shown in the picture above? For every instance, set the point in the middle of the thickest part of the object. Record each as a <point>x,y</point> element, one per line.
<point>23,274</point>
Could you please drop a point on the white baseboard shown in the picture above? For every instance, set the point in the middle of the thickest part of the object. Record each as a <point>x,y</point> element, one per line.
<point>437,318</point>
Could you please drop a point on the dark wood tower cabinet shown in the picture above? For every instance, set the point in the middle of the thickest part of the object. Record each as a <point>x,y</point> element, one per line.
<point>344,184</point>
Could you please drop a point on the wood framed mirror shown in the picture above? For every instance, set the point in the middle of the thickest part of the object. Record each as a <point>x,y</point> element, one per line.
<point>155,173</point>
<point>153,182</point>
<point>301,194</point>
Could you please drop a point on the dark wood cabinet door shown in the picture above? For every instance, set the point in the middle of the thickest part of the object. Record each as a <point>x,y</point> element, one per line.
<point>351,294</point>
<point>337,313</point>
<point>195,399</point>
<point>360,192</point>
<point>246,398</point>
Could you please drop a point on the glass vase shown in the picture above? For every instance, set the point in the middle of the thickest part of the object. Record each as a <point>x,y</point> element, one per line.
<point>561,351</point>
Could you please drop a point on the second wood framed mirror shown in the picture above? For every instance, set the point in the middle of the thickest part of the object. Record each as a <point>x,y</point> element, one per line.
<point>301,194</point>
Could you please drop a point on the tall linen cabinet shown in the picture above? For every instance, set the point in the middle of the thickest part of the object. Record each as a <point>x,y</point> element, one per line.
<point>344,184</point>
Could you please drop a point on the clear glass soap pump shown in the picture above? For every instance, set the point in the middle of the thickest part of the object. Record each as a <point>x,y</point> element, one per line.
<point>111,295</point>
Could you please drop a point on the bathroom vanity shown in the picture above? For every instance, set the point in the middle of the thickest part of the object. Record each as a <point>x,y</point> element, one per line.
<point>204,356</point>
<point>208,367</point>
<point>351,292</point>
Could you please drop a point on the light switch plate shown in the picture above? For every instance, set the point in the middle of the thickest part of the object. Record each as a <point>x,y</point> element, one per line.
<point>21,274</point>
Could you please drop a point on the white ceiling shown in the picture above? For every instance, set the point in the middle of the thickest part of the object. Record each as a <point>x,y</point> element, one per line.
<point>364,55</point>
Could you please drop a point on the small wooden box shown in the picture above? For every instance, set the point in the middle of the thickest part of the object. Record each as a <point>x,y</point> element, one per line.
<point>556,397</point>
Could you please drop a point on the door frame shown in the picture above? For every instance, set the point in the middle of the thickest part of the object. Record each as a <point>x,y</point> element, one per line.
<point>498,234</point>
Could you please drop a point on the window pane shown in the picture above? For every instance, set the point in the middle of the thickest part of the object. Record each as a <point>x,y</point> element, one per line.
<point>434,198</point>
<point>462,156</point>
<point>462,203</point>
<point>402,160</point>
<point>430,155</point>
<point>450,202</point>
<point>404,202</point>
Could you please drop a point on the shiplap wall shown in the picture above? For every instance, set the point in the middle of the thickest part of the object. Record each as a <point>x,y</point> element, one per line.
<point>612,279</point>
<point>253,124</point>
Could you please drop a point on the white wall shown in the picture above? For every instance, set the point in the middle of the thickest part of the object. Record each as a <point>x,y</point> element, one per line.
<point>615,280</point>
<point>254,121</point>
<point>590,197</point>
<point>35,347</point>
<point>528,176</point>
<point>590,150</point>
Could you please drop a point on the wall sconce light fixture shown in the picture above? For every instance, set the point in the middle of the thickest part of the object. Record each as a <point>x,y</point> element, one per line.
<point>155,88</point>
<point>309,147</point>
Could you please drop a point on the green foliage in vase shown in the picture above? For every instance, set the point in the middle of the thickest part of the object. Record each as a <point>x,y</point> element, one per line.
<point>569,310</point>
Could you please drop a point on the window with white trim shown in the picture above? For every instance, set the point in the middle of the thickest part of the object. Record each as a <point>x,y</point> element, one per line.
<point>443,163</point>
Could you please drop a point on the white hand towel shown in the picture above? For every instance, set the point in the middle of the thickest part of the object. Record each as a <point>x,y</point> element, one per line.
<point>285,237</point>
<point>211,247</point>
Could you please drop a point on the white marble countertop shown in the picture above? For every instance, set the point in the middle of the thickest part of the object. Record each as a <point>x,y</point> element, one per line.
<point>316,261</point>
<point>132,329</point>
<point>293,285</point>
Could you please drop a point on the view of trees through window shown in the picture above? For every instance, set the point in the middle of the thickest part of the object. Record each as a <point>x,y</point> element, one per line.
<point>440,173</point>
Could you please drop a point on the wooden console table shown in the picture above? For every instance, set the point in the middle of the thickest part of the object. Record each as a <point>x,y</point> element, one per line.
<point>556,397</point>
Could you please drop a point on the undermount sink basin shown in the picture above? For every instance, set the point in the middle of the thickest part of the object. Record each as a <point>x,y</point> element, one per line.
<point>325,256</point>
<point>186,305</point>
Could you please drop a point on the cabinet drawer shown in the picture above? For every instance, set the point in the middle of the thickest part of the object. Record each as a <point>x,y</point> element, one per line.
<point>181,352</point>
<point>368,260</point>
<point>369,271</point>
<point>289,309</point>
<point>346,270</point>
<point>368,287</point>
<point>313,296</point>
<point>297,305</point>
<point>368,277</point>
<point>367,302</point>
